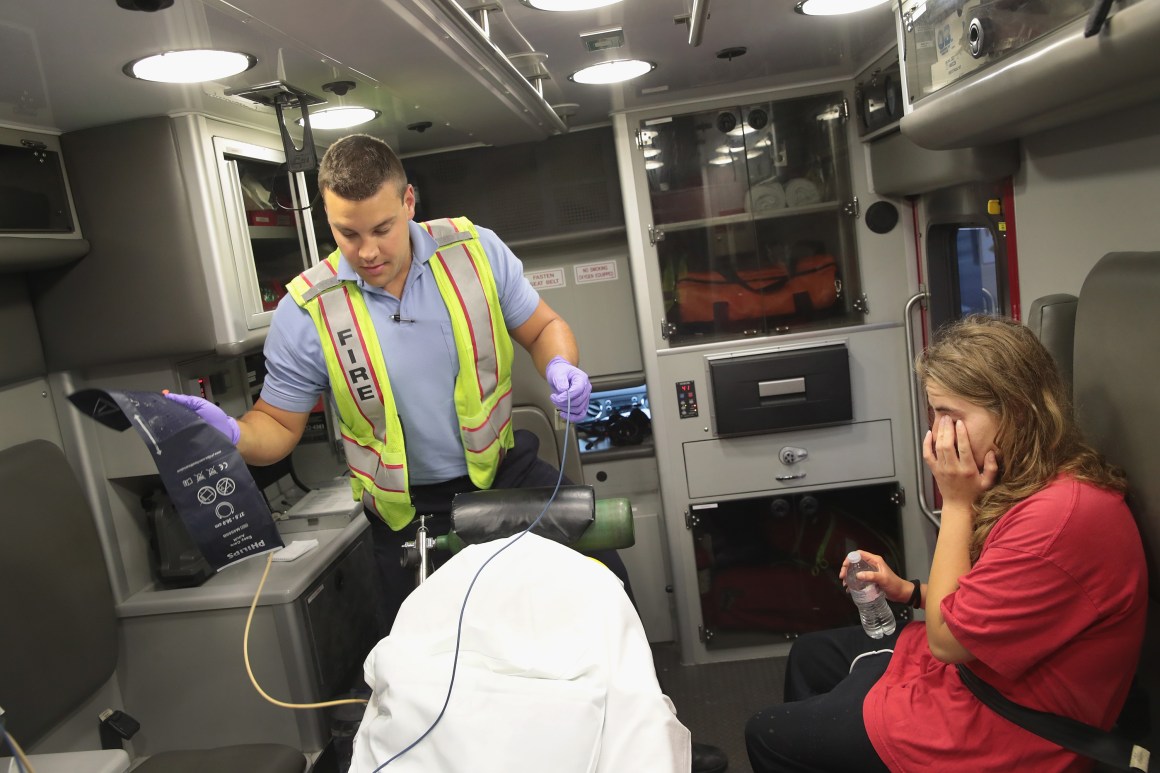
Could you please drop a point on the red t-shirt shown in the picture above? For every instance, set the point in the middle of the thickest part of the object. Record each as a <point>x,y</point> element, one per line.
<point>1053,612</point>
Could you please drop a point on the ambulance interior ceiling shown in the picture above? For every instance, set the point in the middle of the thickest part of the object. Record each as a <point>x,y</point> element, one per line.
<point>413,60</point>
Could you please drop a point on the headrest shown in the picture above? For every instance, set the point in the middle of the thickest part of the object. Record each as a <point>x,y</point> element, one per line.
<point>1052,320</point>
<point>480,516</point>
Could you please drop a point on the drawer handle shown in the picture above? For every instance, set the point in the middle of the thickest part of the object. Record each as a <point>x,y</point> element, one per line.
<point>781,387</point>
<point>795,476</point>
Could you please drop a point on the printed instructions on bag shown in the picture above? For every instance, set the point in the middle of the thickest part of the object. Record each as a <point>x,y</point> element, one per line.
<point>206,478</point>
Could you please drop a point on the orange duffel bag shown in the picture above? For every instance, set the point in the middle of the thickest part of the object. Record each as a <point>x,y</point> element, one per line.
<point>755,294</point>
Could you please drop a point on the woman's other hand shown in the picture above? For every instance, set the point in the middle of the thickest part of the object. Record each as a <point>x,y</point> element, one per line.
<point>946,449</point>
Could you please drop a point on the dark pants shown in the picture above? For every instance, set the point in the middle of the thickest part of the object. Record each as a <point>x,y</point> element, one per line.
<point>819,728</point>
<point>520,468</point>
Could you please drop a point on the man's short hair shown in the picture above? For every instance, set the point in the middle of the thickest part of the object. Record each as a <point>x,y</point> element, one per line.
<point>358,165</point>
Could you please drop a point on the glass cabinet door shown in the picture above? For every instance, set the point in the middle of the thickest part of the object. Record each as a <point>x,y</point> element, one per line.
<point>752,219</point>
<point>275,232</point>
<point>767,568</point>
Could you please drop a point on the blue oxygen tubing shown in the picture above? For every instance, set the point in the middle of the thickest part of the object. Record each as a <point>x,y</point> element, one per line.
<point>466,596</point>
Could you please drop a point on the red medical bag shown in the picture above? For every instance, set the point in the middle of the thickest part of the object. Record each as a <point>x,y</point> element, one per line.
<point>714,296</point>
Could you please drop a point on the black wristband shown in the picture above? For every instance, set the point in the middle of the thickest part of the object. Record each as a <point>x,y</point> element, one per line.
<point>916,596</point>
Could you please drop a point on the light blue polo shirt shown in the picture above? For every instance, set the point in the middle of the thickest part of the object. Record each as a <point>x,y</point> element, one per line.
<point>420,356</point>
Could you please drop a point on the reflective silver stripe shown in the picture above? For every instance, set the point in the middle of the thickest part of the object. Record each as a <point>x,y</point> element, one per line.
<point>369,502</point>
<point>478,439</point>
<point>461,270</point>
<point>391,478</point>
<point>368,465</point>
<point>320,277</point>
<point>361,380</point>
<point>444,232</point>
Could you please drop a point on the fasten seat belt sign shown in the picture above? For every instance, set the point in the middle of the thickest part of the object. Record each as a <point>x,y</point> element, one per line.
<point>206,478</point>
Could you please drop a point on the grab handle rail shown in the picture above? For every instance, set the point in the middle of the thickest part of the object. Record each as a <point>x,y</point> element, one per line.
<point>934,516</point>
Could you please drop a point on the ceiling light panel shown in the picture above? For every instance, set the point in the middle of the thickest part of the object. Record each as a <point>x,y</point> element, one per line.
<point>616,71</point>
<point>835,7</point>
<point>341,117</point>
<point>567,5</point>
<point>191,66</point>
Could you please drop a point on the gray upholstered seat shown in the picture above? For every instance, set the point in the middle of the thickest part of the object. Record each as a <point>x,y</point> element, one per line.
<point>60,642</point>
<point>1116,388</point>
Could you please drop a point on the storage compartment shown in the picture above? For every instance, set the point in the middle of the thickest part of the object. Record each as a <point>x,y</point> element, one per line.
<point>878,100</point>
<point>813,457</point>
<point>752,212</point>
<point>783,389</point>
<point>308,637</point>
<point>767,568</point>
<point>38,225</point>
<point>186,183</point>
<point>1035,69</point>
<point>343,619</point>
<point>269,247</point>
<point>617,418</point>
<point>947,40</point>
<point>33,195</point>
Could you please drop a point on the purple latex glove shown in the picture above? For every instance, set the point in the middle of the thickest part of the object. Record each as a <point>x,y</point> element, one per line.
<point>572,389</point>
<point>210,414</point>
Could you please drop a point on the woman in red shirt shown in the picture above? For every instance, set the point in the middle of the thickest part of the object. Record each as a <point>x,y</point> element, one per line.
<point>1038,582</point>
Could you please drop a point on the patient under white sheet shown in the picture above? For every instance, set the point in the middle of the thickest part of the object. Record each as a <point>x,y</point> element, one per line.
<point>554,673</point>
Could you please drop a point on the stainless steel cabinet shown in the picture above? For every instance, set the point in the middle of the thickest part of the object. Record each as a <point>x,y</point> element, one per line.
<point>180,264</point>
<point>947,40</point>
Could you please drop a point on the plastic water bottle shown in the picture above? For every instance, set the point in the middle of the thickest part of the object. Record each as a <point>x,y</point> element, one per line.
<point>877,617</point>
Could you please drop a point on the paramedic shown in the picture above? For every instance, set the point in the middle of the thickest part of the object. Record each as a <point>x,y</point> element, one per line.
<point>409,327</point>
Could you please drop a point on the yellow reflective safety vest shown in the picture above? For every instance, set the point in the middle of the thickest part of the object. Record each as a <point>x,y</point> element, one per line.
<point>372,434</point>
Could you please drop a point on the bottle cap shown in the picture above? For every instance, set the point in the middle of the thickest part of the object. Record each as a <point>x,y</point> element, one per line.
<point>854,556</point>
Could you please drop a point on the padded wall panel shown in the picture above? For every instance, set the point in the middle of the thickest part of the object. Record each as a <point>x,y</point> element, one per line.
<point>141,291</point>
<point>19,337</point>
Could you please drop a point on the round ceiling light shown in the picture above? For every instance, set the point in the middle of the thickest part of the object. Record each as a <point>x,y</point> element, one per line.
<point>567,5</point>
<point>340,117</point>
<point>834,7</point>
<point>192,66</point>
<point>616,71</point>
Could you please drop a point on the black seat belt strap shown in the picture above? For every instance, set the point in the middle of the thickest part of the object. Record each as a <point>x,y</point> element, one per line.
<point>1081,738</point>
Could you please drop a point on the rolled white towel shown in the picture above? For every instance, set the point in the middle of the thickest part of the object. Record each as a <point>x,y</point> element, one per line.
<point>800,192</point>
<point>765,196</point>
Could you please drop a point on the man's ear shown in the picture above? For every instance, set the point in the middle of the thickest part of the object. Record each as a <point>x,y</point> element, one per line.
<point>409,201</point>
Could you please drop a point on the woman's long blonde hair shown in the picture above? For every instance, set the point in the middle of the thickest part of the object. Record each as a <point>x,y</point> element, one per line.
<point>999,364</point>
